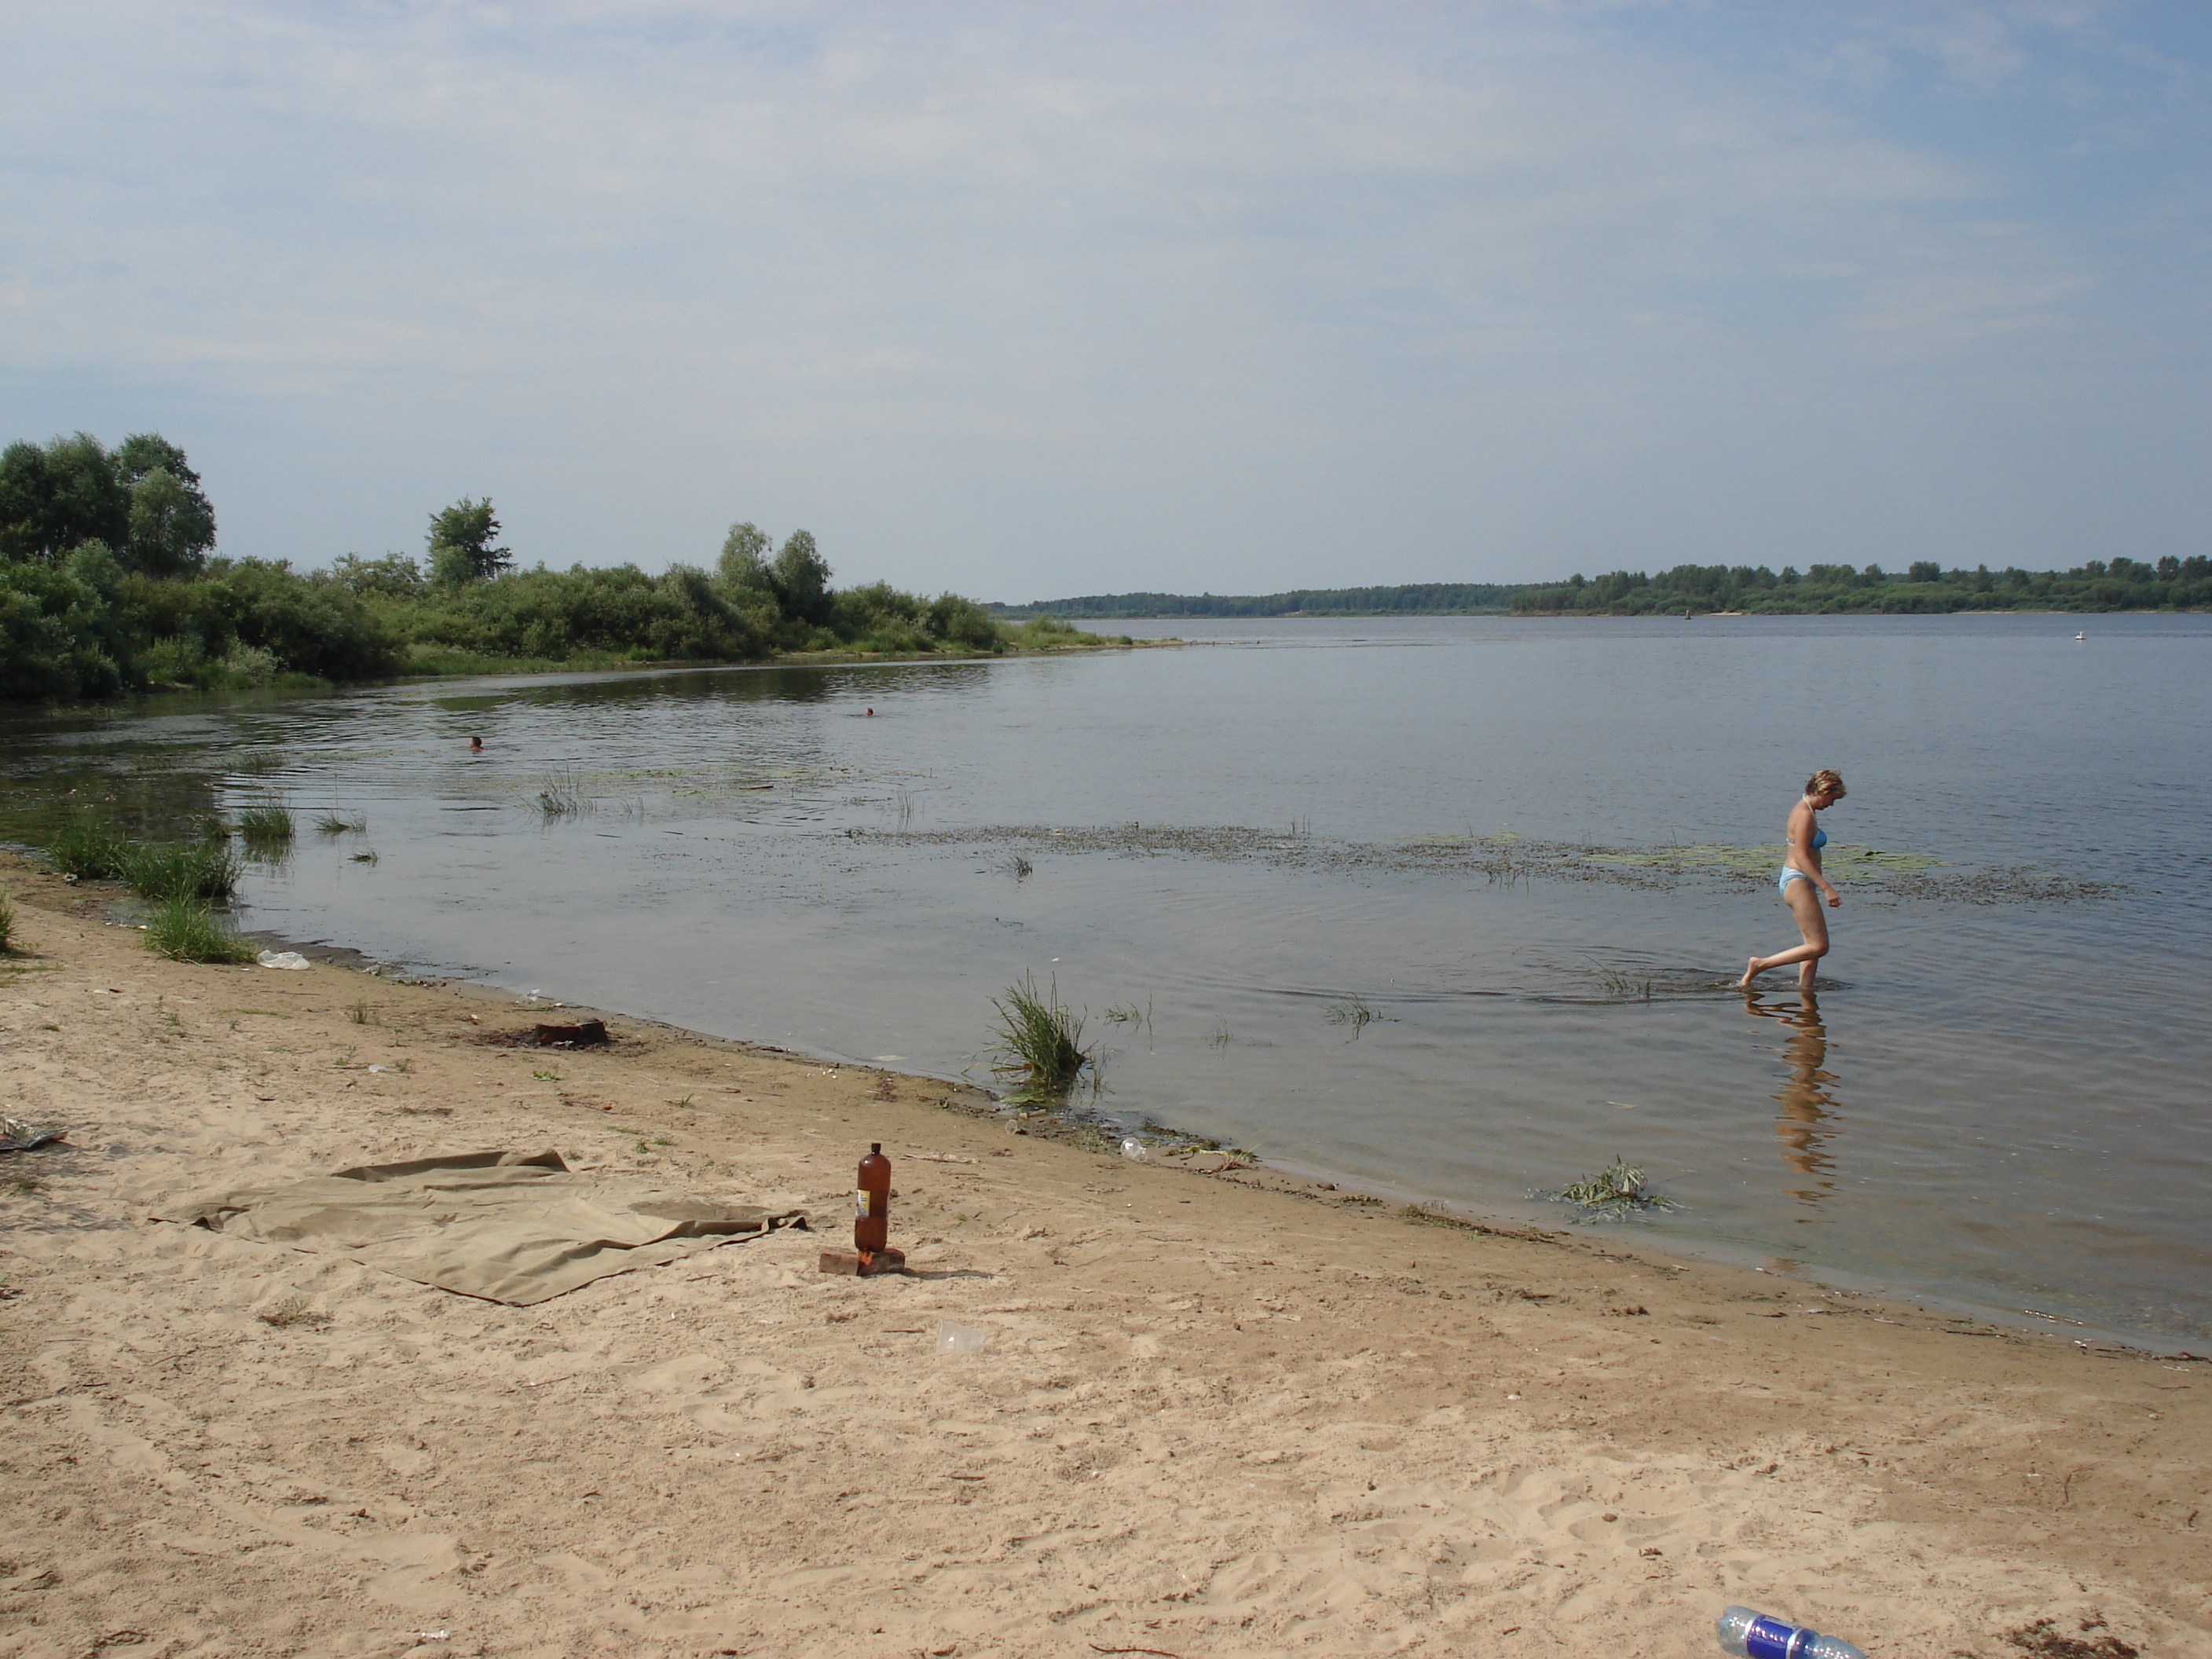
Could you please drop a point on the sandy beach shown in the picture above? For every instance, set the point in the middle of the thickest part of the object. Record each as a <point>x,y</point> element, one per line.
<point>1218,1411</point>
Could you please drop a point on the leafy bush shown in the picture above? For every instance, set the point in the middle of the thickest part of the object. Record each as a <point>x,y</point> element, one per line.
<point>60,635</point>
<point>553,615</point>
<point>107,586</point>
<point>186,930</point>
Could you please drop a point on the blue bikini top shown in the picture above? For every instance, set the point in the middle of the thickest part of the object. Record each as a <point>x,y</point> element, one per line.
<point>1819,838</point>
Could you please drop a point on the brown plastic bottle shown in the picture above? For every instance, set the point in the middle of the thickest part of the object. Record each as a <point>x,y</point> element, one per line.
<point>871,1202</point>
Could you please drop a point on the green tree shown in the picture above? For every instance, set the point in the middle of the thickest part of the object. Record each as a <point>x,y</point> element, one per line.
<point>171,521</point>
<point>58,495</point>
<point>743,567</point>
<point>800,580</point>
<point>61,634</point>
<point>172,526</point>
<point>395,574</point>
<point>461,548</point>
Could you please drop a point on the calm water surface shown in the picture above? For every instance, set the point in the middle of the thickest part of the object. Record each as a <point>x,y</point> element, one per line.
<point>2002,1104</point>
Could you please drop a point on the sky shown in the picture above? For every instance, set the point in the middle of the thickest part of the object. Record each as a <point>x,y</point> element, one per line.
<point>1026,300</point>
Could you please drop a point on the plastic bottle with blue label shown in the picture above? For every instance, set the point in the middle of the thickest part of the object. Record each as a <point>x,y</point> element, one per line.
<point>1751,1635</point>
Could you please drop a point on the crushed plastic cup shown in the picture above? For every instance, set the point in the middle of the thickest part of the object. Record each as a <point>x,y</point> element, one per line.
<point>958,1339</point>
<point>1136,1152</point>
<point>282,959</point>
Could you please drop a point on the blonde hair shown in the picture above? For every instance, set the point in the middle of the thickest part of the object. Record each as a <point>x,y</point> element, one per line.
<point>1827,781</point>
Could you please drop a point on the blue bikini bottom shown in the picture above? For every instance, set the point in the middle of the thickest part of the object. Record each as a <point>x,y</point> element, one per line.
<point>1781,883</point>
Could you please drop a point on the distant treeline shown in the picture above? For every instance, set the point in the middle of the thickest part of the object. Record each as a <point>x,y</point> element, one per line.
<point>2171,584</point>
<point>109,583</point>
<point>1439,599</point>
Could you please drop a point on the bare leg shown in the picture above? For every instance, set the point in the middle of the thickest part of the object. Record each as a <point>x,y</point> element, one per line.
<point>1804,902</point>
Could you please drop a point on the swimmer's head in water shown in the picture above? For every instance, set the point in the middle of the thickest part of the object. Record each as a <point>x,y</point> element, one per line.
<point>1825,782</point>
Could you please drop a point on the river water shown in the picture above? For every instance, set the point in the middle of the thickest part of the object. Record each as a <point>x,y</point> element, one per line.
<point>1290,847</point>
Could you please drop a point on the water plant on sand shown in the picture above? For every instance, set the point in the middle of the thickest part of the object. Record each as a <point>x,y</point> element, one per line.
<point>185,930</point>
<point>1614,1193</point>
<point>1040,1040</point>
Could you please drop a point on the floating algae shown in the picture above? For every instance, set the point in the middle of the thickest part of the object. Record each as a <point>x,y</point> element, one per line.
<point>1841,863</point>
<point>1509,858</point>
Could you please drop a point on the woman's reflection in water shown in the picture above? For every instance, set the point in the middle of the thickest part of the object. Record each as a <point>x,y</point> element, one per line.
<point>1805,1102</point>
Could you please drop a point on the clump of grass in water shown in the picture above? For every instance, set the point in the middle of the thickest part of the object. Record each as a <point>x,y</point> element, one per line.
<point>259,762</point>
<point>1133,1015</point>
<point>1355,1012</point>
<point>204,869</point>
<point>341,823</point>
<point>1040,1040</point>
<point>1621,984</point>
<point>1019,868</point>
<point>1614,1194</point>
<point>89,850</point>
<point>267,822</point>
<point>185,930</point>
<point>561,795</point>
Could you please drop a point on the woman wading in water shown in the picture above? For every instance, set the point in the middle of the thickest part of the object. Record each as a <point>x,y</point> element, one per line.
<point>1803,886</point>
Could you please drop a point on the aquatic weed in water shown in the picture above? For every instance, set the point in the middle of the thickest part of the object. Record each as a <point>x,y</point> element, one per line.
<point>341,823</point>
<point>1040,1038</point>
<point>267,824</point>
<point>1354,1011</point>
<point>1133,1015</point>
<point>561,795</point>
<point>1614,1193</point>
<point>1620,983</point>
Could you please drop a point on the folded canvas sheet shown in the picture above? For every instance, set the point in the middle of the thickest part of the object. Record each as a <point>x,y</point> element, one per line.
<point>506,1226</point>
